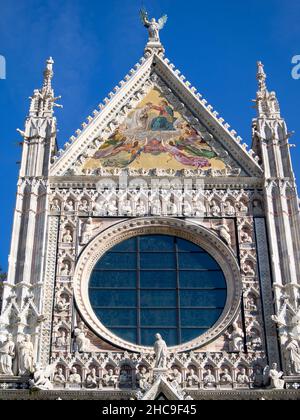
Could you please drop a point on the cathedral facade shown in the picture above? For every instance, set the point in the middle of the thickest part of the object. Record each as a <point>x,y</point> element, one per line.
<point>155,256</point>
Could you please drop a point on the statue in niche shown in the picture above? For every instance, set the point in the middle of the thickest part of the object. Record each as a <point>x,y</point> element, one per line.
<point>248,269</point>
<point>229,209</point>
<point>84,206</point>
<point>110,379</point>
<point>70,206</point>
<point>66,269</point>
<point>243,378</point>
<point>226,378</point>
<point>7,355</point>
<point>214,208</point>
<point>62,305</point>
<point>153,26</point>
<point>75,378</point>
<point>236,339</point>
<point>68,237</point>
<point>241,207</point>
<point>81,341</point>
<point>26,356</point>
<point>59,377</point>
<point>256,343</point>
<point>245,237</point>
<point>192,379</point>
<point>92,379</point>
<point>56,206</point>
<point>87,231</point>
<point>209,379</point>
<point>111,207</point>
<point>292,353</point>
<point>161,352</point>
<point>143,378</point>
<point>62,340</point>
<point>250,303</point>
<point>126,208</point>
<point>175,377</point>
<point>141,209</point>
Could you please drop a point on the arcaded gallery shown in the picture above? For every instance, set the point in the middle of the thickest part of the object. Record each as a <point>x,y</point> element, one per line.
<point>155,257</point>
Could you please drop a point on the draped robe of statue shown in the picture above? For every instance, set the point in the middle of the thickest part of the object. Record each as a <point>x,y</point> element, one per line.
<point>25,356</point>
<point>7,354</point>
<point>161,352</point>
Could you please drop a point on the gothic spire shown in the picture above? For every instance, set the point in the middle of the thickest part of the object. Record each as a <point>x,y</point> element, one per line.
<point>261,77</point>
<point>266,102</point>
<point>43,100</point>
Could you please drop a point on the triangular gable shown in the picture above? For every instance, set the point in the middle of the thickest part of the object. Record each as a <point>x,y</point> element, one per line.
<point>162,387</point>
<point>210,144</point>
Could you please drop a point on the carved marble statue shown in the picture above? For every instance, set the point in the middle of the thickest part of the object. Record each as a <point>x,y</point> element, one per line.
<point>241,207</point>
<point>62,305</point>
<point>229,209</point>
<point>214,208</point>
<point>65,269</point>
<point>248,269</point>
<point>224,233</point>
<point>26,356</point>
<point>110,379</point>
<point>209,379</point>
<point>143,378</point>
<point>292,353</point>
<point>153,26</point>
<point>41,378</point>
<point>7,355</point>
<point>226,378</point>
<point>81,341</point>
<point>175,377</point>
<point>92,379</point>
<point>59,377</point>
<point>192,379</point>
<point>274,377</point>
<point>87,231</point>
<point>75,378</point>
<point>236,339</point>
<point>245,237</point>
<point>61,340</point>
<point>70,206</point>
<point>161,352</point>
<point>56,206</point>
<point>243,378</point>
<point>68,237</point>
<point>84,206</point>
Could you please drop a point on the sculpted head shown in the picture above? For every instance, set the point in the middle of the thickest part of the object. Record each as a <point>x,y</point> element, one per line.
<point>158,337</point>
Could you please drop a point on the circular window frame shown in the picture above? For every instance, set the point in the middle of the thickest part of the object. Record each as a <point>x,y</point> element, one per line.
<point>187,230</point>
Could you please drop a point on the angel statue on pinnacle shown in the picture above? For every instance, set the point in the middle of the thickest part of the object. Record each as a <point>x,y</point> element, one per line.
<point>153,26</point>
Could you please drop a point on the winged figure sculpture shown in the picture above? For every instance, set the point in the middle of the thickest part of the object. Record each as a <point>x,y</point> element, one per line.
<point>154,27</point>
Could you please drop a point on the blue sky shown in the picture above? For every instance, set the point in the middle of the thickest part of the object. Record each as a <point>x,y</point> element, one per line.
<point>94,43</point>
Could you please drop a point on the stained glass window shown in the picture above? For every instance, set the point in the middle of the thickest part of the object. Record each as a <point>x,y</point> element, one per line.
<point>157,284</point>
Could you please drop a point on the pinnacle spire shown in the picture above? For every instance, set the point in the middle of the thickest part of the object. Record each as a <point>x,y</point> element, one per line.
<point>266,102</point>
<point>48,74</point>
<point>261,76</point>
<point>43,100</point>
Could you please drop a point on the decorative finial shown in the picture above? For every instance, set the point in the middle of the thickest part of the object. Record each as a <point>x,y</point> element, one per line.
<point>261,76</point>
<point>266,102</point>
<point>48,73</point>
<point>153,26</point>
